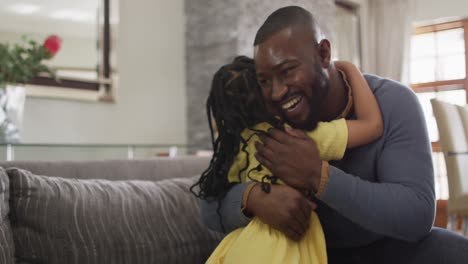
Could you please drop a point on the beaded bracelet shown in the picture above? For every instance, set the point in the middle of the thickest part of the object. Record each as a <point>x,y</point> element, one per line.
<point>266,188</point>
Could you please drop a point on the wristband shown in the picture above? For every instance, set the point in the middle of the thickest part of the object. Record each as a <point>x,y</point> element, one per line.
<point>324,177</point>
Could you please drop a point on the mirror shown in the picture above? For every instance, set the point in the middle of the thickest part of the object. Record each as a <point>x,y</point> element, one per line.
<point>84,61</point>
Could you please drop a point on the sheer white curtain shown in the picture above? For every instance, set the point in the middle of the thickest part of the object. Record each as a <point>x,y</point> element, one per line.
<point>386,34</point>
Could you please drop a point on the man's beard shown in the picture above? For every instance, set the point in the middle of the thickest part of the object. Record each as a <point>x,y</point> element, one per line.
<point>316,101</point>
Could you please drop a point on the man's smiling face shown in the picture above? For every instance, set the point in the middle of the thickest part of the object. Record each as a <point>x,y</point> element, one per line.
<point>291,77</point>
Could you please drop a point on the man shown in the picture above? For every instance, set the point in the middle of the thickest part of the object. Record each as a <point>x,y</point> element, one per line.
<point>376,205</point>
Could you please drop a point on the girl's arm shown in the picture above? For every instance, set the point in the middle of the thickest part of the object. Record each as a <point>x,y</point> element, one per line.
<point>368,125</point>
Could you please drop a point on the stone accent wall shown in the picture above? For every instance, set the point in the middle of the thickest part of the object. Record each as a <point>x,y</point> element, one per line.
<point>217,31</point>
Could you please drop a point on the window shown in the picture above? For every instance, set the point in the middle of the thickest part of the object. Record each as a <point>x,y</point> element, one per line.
<point>438,69</point>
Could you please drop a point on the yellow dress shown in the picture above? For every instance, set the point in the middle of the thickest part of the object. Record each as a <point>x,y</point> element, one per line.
<point>258,242</point>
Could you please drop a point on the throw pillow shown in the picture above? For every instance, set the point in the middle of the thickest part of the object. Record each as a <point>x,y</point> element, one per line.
<point>6,239</point>
<point>58,220</point>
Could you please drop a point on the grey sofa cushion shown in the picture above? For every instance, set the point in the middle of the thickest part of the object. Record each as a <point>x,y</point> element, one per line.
<point>57,220</point>
<point>6,239</point>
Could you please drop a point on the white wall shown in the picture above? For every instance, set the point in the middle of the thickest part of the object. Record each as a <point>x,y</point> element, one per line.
<point>151,93</point>
<point>428,10</point>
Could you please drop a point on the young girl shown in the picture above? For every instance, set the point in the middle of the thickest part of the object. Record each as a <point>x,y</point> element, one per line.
<point>240,115</point>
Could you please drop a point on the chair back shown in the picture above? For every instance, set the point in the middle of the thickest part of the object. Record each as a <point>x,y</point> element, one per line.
<point>454,143</point>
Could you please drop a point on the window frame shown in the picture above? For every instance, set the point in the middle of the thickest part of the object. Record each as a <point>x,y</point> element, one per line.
<point>446,85</point>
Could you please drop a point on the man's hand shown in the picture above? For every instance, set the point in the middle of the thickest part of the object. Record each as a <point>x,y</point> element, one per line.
<point>293,157</point>
<point>284,209</point>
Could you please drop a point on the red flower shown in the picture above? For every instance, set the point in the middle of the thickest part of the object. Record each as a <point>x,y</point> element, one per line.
<point>52,44</point>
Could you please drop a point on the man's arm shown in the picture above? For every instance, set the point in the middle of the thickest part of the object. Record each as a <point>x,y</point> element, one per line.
<point>284,209</point>
<point>229,211</point>
<point>401,204</point>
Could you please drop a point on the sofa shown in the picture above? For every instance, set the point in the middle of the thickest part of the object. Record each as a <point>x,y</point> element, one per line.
<point>117,211</point>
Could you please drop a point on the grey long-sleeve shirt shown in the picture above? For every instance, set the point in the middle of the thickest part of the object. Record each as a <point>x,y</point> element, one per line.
<point>385,188</point>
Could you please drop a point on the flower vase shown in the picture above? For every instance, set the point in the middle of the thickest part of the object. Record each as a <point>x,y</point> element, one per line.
<point>12,100</point>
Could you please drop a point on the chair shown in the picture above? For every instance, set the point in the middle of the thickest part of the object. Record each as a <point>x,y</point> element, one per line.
<point>452,122</point>
<point>463,110</point>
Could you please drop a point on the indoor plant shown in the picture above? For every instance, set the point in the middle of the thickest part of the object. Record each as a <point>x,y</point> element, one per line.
<point>19,64</point>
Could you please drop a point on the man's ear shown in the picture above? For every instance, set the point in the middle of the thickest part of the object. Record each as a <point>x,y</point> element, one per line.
<point>324,52</point>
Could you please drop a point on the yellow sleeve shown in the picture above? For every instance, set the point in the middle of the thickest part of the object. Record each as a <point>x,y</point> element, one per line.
<point>240,161</point>
<point>331,138</point>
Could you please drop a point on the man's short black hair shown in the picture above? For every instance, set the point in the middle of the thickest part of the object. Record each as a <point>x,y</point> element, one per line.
<point>283,18</point>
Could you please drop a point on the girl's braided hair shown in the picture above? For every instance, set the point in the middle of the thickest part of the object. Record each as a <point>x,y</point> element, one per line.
<point>234,104</point>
